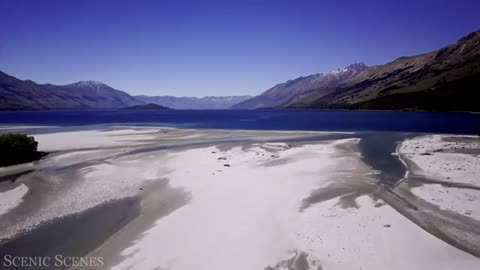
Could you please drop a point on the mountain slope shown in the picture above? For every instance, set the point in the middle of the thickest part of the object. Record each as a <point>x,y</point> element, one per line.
<point>445,79</point>
<point>16,94</point>
<point>194,102</point>
<point>283,92</point>
<point>103,95</point>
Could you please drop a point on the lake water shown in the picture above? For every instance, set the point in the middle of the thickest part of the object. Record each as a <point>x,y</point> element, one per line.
<point>323,120</point>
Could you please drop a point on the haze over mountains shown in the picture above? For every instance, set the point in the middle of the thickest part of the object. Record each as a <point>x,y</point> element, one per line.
<point>447,79</point>
<point>194,102</point>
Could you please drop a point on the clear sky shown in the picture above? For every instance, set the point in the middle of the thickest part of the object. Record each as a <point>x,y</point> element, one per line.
<point>198,48</point>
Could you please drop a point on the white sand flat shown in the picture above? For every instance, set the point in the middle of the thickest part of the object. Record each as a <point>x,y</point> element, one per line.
<point>12,198</point>
<point>247,217</point>
<point>435,158</point>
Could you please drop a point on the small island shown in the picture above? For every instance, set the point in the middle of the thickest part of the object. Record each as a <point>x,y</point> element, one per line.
<point>146,107</point>
<point>18,148</point>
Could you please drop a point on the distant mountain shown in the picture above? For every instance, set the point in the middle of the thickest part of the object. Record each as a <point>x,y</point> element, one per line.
<point>444,80</point>
<point>194,102</point>
<point>284,92</point>
<point>146,107</point>
<point>16,94</point>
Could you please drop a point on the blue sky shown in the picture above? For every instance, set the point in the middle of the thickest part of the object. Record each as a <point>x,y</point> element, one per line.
<point>199,48</point>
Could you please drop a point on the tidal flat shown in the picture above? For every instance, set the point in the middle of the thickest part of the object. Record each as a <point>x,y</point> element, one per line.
<point>168,198</point>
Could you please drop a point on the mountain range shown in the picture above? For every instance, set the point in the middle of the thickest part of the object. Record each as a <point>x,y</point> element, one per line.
<point>194,102</point>
<point>447,79</point>
<point>16,94</point>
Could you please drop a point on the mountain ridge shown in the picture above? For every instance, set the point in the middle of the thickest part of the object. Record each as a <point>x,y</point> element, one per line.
<point>446,79</point>
<point>283,92</point>
<point>16,94</point>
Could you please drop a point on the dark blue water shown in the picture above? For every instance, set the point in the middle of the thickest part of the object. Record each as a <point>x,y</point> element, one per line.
<point>328,120</point>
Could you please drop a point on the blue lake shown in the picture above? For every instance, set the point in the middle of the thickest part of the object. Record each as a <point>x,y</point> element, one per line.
<point>325,120</point>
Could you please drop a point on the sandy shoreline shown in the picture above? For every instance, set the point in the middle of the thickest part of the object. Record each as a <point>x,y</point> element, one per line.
<point>443,183</point>
<point>262,200</point>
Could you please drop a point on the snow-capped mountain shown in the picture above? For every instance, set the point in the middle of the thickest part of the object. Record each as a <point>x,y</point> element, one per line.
<point>446,79</point>
<point>89,84</point>
<point>102,94</point>
<point>283,92</point>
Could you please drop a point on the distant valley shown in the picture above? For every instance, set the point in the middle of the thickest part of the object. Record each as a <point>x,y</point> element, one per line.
<point>194,102</point>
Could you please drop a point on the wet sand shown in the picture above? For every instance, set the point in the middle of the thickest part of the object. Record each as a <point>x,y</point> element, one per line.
<point>160,198</point>
<point>443,185</point>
